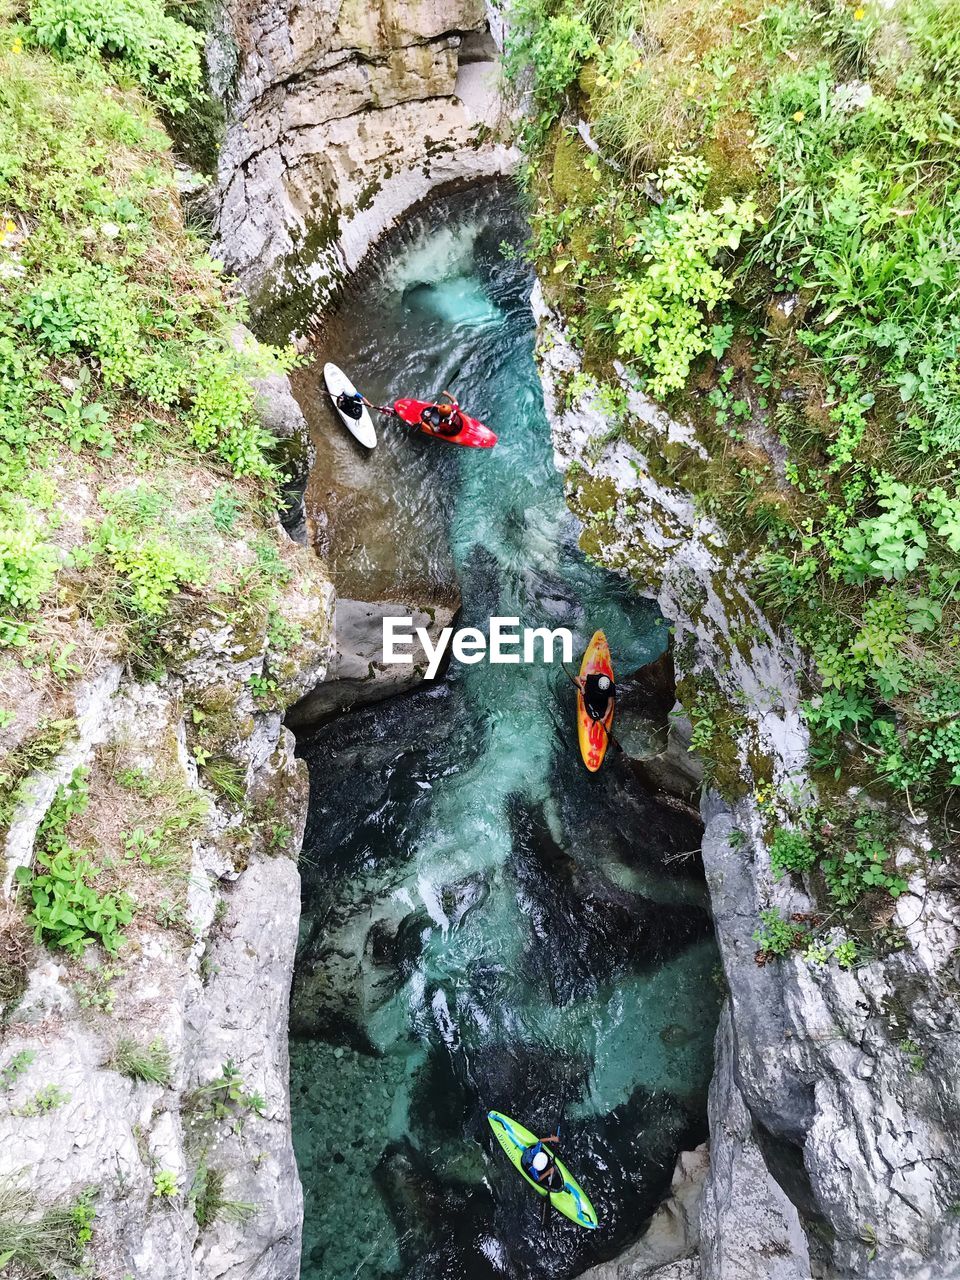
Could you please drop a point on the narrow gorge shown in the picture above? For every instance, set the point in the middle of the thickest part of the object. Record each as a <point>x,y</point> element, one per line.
<point>321,913</point>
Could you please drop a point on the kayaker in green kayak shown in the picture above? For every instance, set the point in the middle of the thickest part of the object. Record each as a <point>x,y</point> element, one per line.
<point>539,1164</point>
<point>529,1156</point>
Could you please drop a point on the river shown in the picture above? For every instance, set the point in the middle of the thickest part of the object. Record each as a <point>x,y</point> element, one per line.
<point>485,924</point>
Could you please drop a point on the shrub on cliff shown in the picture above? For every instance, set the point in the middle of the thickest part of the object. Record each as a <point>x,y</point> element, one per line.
<point>148,45</point>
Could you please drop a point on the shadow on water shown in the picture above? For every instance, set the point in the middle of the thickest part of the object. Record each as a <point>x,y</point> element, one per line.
<point>485,925</point>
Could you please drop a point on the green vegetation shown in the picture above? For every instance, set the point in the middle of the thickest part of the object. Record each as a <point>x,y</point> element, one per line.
<point>42,1242</point>
<point>11,1071</point>
<point>764,240</point>
<point>50,1098</point>
<point>777,936</point>
<point>67,910</point>
<point>224,1098</point>
<point>914,1056</point>
<point>208,1202</point>
<point>119,347</point>
<point>149,1062</point>
<point>165,1184</point>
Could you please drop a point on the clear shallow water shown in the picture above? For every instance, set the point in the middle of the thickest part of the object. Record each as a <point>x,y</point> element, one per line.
<point>485,925</point>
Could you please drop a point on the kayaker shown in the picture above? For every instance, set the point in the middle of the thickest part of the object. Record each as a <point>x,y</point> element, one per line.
<point>442,418</point>
<point>351,405</point>
<point>599,693</point>
<point>539,1163</point>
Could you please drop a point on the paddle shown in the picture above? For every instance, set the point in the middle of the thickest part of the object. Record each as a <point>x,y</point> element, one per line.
<point>610,737</point>
<point>547,1200</point>
<point>381,408</point>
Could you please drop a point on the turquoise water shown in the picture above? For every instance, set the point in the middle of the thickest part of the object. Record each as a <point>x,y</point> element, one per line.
<point>485,925</point>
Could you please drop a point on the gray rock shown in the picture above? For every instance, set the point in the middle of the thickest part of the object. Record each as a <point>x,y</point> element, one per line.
<point>667,1248</point>
<point>214,988</point>
<point>357,674</point>
<point>340,120</point>
<point>748,1227</point>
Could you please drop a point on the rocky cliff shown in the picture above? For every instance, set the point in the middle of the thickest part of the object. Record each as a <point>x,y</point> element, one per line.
<point>341,118</point>
<point>833,1111</point>
<point>154,1085</point>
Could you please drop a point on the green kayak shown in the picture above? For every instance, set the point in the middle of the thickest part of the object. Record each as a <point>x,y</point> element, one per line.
<point>572,1201</point>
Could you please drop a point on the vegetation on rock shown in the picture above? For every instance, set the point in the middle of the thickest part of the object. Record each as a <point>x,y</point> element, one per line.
<point>758,225</point>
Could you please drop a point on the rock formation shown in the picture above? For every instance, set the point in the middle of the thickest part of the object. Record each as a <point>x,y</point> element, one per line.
<point>833,1112</point>
<point>341,118</point>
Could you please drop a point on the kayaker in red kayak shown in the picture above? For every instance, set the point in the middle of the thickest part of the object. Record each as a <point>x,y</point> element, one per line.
<point>444,417</point>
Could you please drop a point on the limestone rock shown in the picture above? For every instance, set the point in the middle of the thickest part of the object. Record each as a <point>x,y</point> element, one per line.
<point>667,1248</point>
<point>748,1226</point>
<point>212,985</point>
<point>357,674</point>
<point>343,117</point>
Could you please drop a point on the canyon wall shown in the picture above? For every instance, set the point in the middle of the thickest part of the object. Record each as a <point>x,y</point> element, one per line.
<point>200,988</point>
<point>342,116</point>
<point>833,1110</point>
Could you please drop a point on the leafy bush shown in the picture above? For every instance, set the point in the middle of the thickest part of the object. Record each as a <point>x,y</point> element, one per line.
<point>552,41</point>
<point>659,313</point>
<point>778,936</point>
<point>155,568</point>
<point>860,869</point>
<point>67,911</point>
<point>27,566</point>
<point>149,1062</point>
<point>791,851</point>
<point>88,309</point>
<point>158,52</point>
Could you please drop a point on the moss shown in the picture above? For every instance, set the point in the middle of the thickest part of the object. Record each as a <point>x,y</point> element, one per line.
<point>367,196</point>
<point>719,726</point>
<point>293,295</point>
<point>596,495</point>
<point>571,183</point>
<point>34,753</point>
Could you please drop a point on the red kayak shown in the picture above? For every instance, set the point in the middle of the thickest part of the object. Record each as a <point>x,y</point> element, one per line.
<point>473,434</point>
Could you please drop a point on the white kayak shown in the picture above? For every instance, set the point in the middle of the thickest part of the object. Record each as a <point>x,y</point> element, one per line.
<point>337,383</point>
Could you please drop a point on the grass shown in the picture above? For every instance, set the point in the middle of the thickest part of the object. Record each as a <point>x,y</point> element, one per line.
<point>208,1202</point>
<point>41,1242</point>
<point>150,1062</point>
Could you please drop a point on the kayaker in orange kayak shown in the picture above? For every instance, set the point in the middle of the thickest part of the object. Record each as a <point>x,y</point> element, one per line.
<point>599,692</point>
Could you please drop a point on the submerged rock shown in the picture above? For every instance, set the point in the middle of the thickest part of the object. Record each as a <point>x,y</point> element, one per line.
<point>585,928</point>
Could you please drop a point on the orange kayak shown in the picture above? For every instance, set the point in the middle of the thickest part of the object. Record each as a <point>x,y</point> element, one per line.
<point>594,734</point>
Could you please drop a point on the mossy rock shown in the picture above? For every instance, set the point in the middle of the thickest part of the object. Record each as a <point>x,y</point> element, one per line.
<point>597,494</point>
<point>571,183</point>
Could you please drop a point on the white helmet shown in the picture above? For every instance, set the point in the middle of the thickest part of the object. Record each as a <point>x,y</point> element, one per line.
<point>540,1161</point>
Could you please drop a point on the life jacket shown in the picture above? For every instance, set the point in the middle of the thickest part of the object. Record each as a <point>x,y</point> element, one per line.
<point>549,1177</point>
